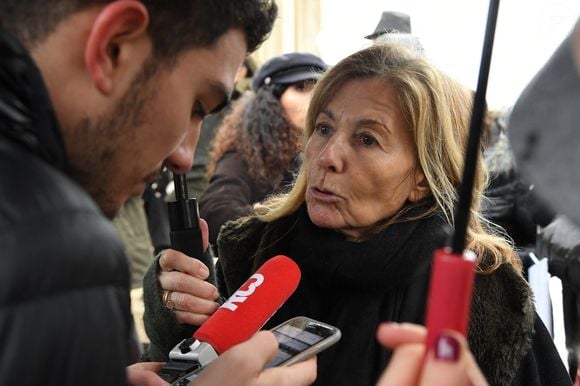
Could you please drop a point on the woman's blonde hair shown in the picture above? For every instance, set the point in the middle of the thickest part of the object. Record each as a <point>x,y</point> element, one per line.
<point>437,111</point>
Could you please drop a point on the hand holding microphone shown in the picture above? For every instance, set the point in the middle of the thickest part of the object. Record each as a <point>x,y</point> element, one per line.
<point>193,300</point>
<point>240,317</point>
<point>182,275</point>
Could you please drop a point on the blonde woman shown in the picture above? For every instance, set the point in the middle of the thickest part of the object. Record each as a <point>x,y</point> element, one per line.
<point>384,145</point>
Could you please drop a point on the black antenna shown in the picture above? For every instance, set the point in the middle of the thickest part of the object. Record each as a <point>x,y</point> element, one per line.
<point>180,183</point>
<point>185,234</point>
<point>462,210</point>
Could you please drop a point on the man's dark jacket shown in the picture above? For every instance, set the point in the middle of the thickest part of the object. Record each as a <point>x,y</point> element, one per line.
<point>64,281</point>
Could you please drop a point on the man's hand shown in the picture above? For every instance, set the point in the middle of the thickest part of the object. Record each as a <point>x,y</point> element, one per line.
<point>243,365</point>
<point>144,374</point>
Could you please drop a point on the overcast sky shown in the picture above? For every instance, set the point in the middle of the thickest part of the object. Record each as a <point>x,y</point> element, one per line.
<point>451,32</point>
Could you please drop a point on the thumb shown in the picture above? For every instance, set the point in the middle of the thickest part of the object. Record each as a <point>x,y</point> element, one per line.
<point>204,233</point>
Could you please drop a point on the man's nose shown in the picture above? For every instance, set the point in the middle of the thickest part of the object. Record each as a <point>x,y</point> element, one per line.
<point>180,160</point>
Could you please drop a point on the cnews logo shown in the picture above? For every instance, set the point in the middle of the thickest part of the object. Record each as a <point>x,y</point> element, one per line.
<point>241,295</point>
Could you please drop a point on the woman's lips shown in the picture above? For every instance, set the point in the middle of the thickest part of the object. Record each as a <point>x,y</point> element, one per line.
<point>323,195</point>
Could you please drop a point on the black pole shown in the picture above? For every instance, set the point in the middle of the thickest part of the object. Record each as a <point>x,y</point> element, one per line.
<point>185,233</point>
<point>462,210</point>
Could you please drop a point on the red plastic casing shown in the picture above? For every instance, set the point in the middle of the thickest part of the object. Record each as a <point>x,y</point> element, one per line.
<point>250,307</point>
<point>449,293</point>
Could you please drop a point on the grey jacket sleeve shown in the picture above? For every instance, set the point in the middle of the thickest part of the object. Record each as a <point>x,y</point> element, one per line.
<point>161,325</point>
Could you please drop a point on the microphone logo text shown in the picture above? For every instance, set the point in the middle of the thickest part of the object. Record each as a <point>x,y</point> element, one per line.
<point>241,295</point>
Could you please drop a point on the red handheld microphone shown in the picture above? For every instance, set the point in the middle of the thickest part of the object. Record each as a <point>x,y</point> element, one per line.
<point>250,307</point>
<point>240,317</point>
<point>449,293</point>
<point>454,269</point>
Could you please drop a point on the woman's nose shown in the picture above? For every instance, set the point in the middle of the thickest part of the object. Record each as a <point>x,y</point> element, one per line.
<point>331,156</point>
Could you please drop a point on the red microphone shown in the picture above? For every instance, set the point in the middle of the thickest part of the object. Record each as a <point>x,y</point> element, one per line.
<point>240,317</point>
<point>450,293</point>
<point>252,305</point>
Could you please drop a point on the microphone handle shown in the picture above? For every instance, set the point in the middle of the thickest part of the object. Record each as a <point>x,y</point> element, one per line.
<point>449,294</point>
<point>188,241</point>
<point>185,233</point>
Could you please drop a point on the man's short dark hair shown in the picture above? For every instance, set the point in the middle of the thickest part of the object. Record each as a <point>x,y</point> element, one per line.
<point>175,25</point>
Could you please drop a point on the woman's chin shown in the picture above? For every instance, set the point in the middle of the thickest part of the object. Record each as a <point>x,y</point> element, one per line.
<point>323,217</point>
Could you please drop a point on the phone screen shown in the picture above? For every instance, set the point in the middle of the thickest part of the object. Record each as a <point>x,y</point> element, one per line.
<point>295,339</point>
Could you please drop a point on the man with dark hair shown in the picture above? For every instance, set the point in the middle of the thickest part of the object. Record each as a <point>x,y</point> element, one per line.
<point>95,98</point>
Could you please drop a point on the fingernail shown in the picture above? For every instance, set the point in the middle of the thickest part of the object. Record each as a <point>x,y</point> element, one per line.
<point>447,348</point>
<point>204,272</point>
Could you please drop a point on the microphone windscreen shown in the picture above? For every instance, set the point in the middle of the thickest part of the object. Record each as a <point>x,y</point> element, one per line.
<point>250,307</point>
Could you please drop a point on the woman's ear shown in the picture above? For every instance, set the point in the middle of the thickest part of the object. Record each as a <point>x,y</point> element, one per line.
<point>117,26</point>
<point>420,186</point>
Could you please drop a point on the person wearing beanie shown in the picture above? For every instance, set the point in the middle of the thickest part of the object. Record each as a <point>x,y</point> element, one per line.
<point>256,147</point>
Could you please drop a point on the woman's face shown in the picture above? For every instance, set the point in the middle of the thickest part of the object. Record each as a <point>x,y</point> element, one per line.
<point>295,100</point>
<point>360,159</point>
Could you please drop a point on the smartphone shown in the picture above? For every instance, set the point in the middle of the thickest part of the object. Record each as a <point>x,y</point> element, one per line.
<point>298,339</point>
<point>301,338</point>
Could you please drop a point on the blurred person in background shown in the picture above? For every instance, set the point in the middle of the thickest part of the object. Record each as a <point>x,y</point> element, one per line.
<point>197,179</point>
<point>397,26</point>
<point>256,149</point>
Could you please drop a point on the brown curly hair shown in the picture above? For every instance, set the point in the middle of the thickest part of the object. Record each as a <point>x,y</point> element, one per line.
<point>258,129</point>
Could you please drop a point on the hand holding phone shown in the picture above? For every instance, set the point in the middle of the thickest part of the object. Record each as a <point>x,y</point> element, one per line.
<point>301,338</point>
<point>298,339</point>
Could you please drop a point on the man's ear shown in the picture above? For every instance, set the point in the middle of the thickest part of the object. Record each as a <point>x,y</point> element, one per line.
<point>420,188</point>
<point>117,24</point>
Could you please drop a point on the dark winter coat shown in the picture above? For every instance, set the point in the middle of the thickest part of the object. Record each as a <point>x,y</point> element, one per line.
<point>355,286</point>
<point>64,280</point>
<point>230,194</point>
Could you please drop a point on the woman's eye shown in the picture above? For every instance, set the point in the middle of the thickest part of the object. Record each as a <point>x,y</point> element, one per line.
<point>323,129</point>
<point>367,140</point>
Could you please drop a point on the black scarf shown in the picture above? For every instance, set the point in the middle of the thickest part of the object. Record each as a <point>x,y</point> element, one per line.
<point>355,286</point>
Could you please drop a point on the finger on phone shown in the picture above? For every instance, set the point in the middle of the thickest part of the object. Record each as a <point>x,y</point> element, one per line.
<point>299,374</point>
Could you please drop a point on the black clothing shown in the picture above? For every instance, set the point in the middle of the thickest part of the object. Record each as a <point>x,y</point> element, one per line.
<point>64,283</point>
<point>508,207</point>
<point>156,211</point>
<point>384,278</point>
<point>197,180</point>
<point>230,194</point>
<point>560,243</point>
